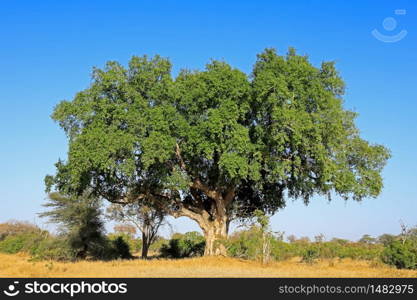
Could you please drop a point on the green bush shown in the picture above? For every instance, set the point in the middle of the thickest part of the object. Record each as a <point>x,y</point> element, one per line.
<point>310,255</point>
<point>248,244</point>
<point>184,245</point>
<point>157,245</point>
<point>401,255</point>
<point>121,248</point>
<point>53,248</point>
<point>13,228</point>
<point>20,243</point>
<point>40,245</point>
<point>12,244</point>
<point>282,251</point>
<point>245,244</point>
<point>135,245</point>
<point>360,251</point>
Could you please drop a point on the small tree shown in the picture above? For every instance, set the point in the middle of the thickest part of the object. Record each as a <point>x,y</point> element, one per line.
<point>263,220</point>
<point>386,239</point>
<point>125,229</point>
<point>405,232</point>
<point>79,220</point>
<point>367,239</point>
<point>320,238</point>
<point>291,238</point>
<point>144,217</point>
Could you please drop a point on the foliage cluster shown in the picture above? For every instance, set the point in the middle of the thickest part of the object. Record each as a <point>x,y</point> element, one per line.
<point>402,252</point>
<point>247,244</point>
<point>39,244</point>
<point>180,245</point>
<point>15,227</point>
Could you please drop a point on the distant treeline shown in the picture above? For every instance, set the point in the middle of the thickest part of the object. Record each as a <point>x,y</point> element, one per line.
<point>252,243</point>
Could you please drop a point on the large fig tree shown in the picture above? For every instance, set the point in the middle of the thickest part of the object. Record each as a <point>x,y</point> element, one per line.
<point>217,144</point>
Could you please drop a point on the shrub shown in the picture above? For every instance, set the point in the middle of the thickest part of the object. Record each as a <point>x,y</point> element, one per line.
<point>135,245</point>
<point>12,244</point>
<point>40,245</point>
<point>310,255</point>
<point>340,241</point>
<point>359,251</point>
<point>12,228</point>
<point>120,249</point>
<point>184,245</point>
<point>282,251</point>
<point>401,255</point>
<point>245,244</point>
<point>248,244</point>
<point>53,248</point>
<point>157,245</point>
<point>19,243</point>
<point>386,239</point>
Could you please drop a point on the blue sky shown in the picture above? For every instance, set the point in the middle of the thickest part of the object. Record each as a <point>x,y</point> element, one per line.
<point>48,49</point>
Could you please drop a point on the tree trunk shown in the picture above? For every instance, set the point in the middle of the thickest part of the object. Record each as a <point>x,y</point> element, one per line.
<point>145,245</point>
<point>214,221</point>
<point>215,234</point>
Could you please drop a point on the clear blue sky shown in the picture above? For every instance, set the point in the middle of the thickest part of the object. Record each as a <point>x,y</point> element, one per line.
<point>48,49</point>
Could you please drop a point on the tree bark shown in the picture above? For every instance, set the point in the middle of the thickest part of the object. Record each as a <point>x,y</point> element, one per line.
<point>145,245</point>
<point>214,227</point>
<point>215,233</point>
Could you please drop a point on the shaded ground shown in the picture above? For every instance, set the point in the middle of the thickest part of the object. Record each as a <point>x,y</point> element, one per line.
<point>21,266</point>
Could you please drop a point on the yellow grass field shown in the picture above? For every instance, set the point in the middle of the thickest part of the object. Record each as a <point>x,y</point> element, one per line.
<point>21,266</point>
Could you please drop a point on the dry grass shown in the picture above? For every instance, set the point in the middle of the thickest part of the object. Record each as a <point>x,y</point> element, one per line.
<point>21,266</point>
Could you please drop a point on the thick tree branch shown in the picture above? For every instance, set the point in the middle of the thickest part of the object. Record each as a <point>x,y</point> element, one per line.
<point>197,184</point>
<point>182,211</point>
<point>220,202</point>
<point>230,195</point>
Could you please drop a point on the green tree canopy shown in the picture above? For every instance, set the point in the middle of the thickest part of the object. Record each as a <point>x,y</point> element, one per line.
<point>215,144</point>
